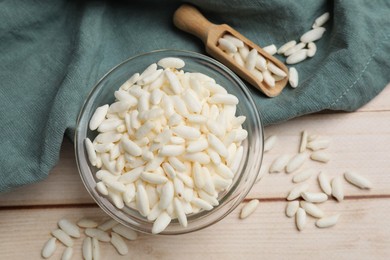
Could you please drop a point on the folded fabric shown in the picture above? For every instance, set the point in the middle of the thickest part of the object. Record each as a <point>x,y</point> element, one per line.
<point>53,52</point>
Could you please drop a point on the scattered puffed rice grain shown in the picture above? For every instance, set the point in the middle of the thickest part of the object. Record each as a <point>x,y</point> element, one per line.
<point>92,157</point>
<point>153,178</point>
<point>130,82</point>
<point>62,237</point>
<point>303,175</point>
<point>291,208</point>
<point>169,171</point>
<point>329,221</point>
<point>161,223</point>
<point>235,41</point>
<point>130,147</point>
<point>186,179</point>
<point>296,192</point>
<point>220,183</point>
<point>177,164</point>
<point>318,144</point>
<point>321,20</point>
<point>150,78</point>
<point>244,51</point>
<point>98,117</point>
<point>237,160</point>
<point>87,223</point>
<point>197,146</point>
<point>131,176</point>
<point>108,137</point>
<point>122,96</point>
<point>69,228</point>
<point>109,224</point>
<point>87,248</point>
<point>175,84</point>
<point>187,132</point>
<point>270,143</point>
<point>224,171</point>
<point>171,62</point>
<point>258,75</point>
<point>277,77</point>
<point>226,99</point>
<point>314,197</point>
<point>116,198</point>
<point>103,174</point>
<point>154,213</point>
<point>300,219</point>
<point>297,57</point>
<point>142,201</point>
<point>270,49</point>
<point>208,198</point>
<point>166,196</point>
<point>324,183</point>
<point>112,123</point>
<point>311,209</point>
<point>181,216</point>
<point>279,164</point>
<point>95,249</point>
<point>337,188</point>
<point>49,248</point>
<point>226,45</point>
<point>115,185</point>
<point>268,79</point>
<point>125,232</point>
<point>217,145</point>
<point>67,254</point>
<point>127,197</point>
<point>149,70</point>
<point>98,234</point>
<point>119,106</point>
<point>293,77</point>
<point>313,35</point>
<point>238,59</point>
<point>251,59</point>
<point>296,162</point>
<point>198,175</point>
<point>276,70</point>
<point>303,145</point>
<point>294,49</point>
<point>249,208</point>
<point>357,180</point>
<point>320,156</point>
<point>311,49</point>
<point>286,46</point>
<point>261,63</point>
<point>201,204</point>
<point>119,244</point>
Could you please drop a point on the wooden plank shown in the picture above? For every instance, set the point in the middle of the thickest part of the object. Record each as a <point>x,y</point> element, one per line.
<point>360,141</point>
<point>363,232</point>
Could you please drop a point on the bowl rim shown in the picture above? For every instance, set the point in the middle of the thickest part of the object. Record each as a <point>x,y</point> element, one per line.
<point>243,87</point>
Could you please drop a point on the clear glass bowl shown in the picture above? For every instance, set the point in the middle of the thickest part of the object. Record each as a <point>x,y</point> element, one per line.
<point>103,93</point>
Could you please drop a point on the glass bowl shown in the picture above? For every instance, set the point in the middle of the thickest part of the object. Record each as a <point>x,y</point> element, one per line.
<point>103,93</point>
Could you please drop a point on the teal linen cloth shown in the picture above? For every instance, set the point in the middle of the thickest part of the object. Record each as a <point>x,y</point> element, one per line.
<point>54,51</point>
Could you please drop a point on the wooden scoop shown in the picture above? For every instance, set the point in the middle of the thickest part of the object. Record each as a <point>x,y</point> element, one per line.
<point>189,19</point>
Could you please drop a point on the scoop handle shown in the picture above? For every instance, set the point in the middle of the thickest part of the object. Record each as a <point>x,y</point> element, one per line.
<point>189,19</point>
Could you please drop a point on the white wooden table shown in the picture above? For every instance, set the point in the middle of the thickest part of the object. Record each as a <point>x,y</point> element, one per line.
<point>360,141</point>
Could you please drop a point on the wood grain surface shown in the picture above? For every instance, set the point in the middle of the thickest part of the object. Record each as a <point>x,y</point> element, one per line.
<point>360,142</point>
